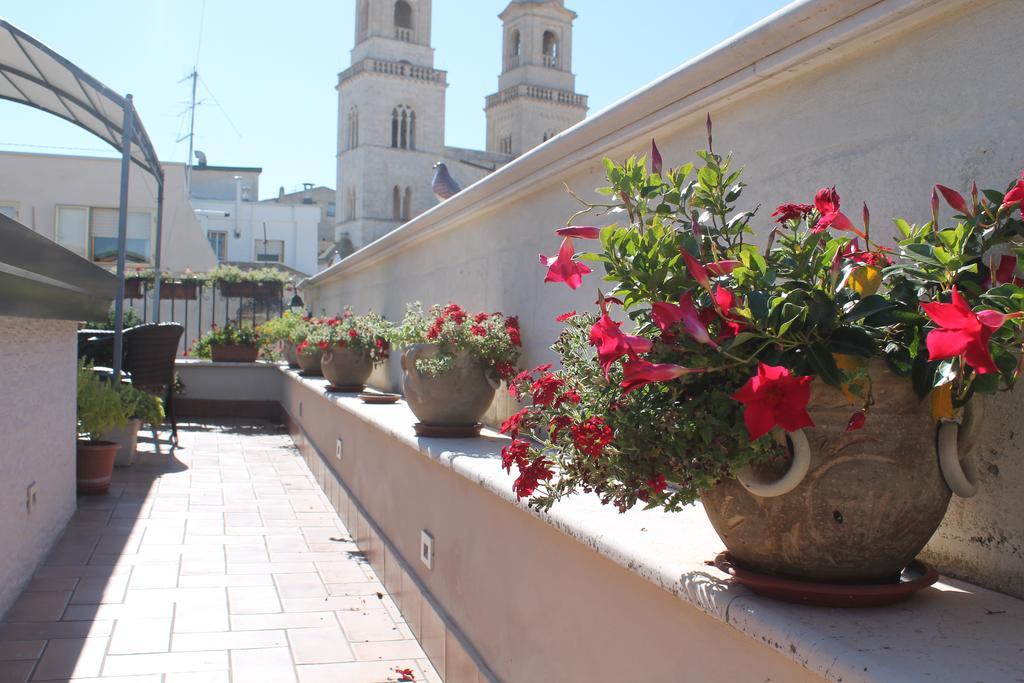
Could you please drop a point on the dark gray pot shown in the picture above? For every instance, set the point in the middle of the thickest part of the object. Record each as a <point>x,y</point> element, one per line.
<point>346,368</point>
<point>457,398</point>
<point>310,363</point>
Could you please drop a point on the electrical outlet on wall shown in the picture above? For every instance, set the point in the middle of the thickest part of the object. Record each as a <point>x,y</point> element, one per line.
<point>427,549</point>
<point>338,448</point>
<point>30,496</point>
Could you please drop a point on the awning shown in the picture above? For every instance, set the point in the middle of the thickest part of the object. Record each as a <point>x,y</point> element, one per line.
<point>33,74</point>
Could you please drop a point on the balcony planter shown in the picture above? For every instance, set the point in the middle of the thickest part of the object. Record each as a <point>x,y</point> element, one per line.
<point>126,438</point>
<point>250,290</point>
<point>309,361</point>
<point>346,369</point>
<point>457,398</point>
<point>179,291</point>
<point>869,502</point>
<point>95,465</point>
<point>234,353</point>
<point>133,288</point>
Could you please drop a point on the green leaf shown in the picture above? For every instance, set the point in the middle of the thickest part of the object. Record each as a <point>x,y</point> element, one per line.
<point>852,341</point>
<point>903,227</point>
<point>823,364</point>
<point>868,306</point>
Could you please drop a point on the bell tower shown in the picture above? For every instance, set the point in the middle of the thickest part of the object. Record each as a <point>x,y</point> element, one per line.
<point>536,96</point>
<point>391,104</point>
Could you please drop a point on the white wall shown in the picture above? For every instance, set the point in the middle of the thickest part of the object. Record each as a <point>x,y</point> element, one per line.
<point>882,98</point>
<point>37,443</point>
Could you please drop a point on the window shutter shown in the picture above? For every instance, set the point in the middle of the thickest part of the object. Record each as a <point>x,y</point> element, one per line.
<point>73,228</point>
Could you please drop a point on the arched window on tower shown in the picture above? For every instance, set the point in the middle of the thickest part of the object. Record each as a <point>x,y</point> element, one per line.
<point>396,203</point>
<point>515,46</point>
<point>549,46</point>
<point>403,21</point>
<point>403,127</point>
<point>407,205</point>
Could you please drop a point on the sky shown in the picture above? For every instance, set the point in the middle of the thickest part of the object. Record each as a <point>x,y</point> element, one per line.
<point>267,70</point>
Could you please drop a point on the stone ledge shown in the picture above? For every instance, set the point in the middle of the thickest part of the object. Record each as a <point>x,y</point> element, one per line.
<point>924,638</point>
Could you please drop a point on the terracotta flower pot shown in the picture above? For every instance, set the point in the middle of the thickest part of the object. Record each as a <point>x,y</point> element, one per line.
<point>345,368</point>
<point>870,501</point>
<point>310,362</point>
<point>288,352</point>
<point>459,397</point>
<point>233,353</point>
<point>127,439</point>
<point>179,291</point>
<point>132,288</point>
<point>95,465</point>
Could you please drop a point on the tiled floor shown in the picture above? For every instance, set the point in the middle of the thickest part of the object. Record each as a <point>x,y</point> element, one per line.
<point>222,563</point>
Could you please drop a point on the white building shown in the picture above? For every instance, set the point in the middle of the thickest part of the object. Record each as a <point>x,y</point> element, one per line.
<point>241,229</point>
<point>391,109</point>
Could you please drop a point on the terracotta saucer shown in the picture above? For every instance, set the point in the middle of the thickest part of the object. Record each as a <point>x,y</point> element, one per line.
<point>448,431</point>
<point>348,389</point>
<point>915,577</point>
<point>380,399</point>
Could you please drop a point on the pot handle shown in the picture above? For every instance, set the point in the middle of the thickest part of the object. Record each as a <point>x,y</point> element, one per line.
<point>961,474</point>
<point>492,379</point>
<point>790,480</point>
<point>409,356</point>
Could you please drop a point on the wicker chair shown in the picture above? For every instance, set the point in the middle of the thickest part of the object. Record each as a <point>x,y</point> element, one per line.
<point>149,353</point>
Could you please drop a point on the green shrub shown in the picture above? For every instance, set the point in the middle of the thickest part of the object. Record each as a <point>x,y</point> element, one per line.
<point>100,407</point>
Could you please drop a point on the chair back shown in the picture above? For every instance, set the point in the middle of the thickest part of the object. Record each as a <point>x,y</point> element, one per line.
<point>149,353</point>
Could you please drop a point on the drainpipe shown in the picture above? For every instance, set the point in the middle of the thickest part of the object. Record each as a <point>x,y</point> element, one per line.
<point>238,205</point>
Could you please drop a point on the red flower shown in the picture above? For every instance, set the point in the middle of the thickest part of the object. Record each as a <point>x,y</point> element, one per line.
<point>718,268</point>
<point>591,436</point>
<point>666,316</point>
<point>656,161</point>
<point>302,347</point>
<point>530,477</point>
<point>515,454</point>
<point>729,324</point>
<point>612,344</point>
<point>558,423</point>
<point>504,369</point>
<point>1006,272</point>
<point>954,199</point>
<point>586,233</point>
<point>545,389</point>
<point>512,330</point>
<point>478,331</point>
<point>454,313</point>
<point>481,317</point>
<point>961,332</point>
<point>639,373</point>
<point>405,675</point>
<point>827,204</point>
<point>565,316</point>
<point>514,424</point>
<point>1015,196</point>
<point>323,345</point>
<point>563,268</point>
<point>857,421</point>
<point>789,212</point>
<point>352,334</point>
<point>775,397</point>
<point>658,484</point>
<point>697,270</point>
<point>570,396</point>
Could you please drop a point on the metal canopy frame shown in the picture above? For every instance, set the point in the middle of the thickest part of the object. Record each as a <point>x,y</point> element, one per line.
<point>36,76</point>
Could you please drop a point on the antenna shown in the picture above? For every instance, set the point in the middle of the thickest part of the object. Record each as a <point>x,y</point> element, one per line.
<point>191,132</point>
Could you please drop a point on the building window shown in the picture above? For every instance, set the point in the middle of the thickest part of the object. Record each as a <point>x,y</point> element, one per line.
<point>549,46</point>
<point>9,209</point>
<point>403,127</point>
<point>331,210</point>
<point>91,232</point>
<point>219,243</point>
<point>514,48</point>
<point>270,251</point>
<point>352,141</point>
<point>505,144</point>
<point>403,21</point>
<point>73,228</point>
<point>407,205</point>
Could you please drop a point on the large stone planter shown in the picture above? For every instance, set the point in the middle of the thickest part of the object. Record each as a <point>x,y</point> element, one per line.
<point>127,439</point>
<point>870,501</point>
<point>346,369</point>
<point>94,465</point>
<point>309,363</point>
<point>457,398</point>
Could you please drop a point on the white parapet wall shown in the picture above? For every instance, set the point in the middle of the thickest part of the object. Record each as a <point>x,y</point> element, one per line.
<point>882,98</point>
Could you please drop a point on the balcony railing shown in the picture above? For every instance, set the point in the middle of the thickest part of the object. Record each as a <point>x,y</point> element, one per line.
<point>536,92</point>
<point>550,62</point>
<point>400,69</point>
<point>403,34</point>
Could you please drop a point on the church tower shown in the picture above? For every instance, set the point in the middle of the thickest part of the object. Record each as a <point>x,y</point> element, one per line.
<point>536,96</point>
<point>391,104</point>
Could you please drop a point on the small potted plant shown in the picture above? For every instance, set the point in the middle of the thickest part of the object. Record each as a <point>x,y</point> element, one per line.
<point>135,281</point>
<point>100,410</point>
<point>452,364</point>
<point>262,283</point>
<point>228,344</point>
<point>811,393</point>
<point>281,332</point>
<point>352,345</point>
<point>140,408</point>
<point>184,287</point>
<point>310,343</point>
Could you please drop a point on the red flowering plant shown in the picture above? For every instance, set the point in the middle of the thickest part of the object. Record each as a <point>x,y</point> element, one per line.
<point>726,337</point>
<point>491,339</point>
<point>359,333</point>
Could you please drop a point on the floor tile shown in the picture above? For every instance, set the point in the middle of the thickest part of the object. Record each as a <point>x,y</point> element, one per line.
<point>261,666</point>
<point>71,658</point>
<point>140,636</point>
<point>319,645</point>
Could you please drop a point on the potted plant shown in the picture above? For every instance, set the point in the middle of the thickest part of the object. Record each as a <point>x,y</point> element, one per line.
<point>100,410</point>
<point>352,345</point>
<point>139,408</point>
<point>135,281</point>
<point>280,332</point>
<point>180,288</point>
<point>310,345</point>
<point>228,344</point>
<point>453,363</point>
<point>799,390</point>
<point>262,283</point>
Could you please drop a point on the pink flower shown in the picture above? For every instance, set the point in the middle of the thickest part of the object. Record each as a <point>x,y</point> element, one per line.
<point>639,373</point>
<point>612,344</point>
<point>826,201</point>
<point>962,332</point>
<point>656,161</point>
<point>775,397</point>
<point>563,268</point>
<point>666,316</point>
<point>582,232</point>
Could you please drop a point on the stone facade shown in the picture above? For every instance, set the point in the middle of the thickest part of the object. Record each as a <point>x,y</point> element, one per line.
<point>391,111</point>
